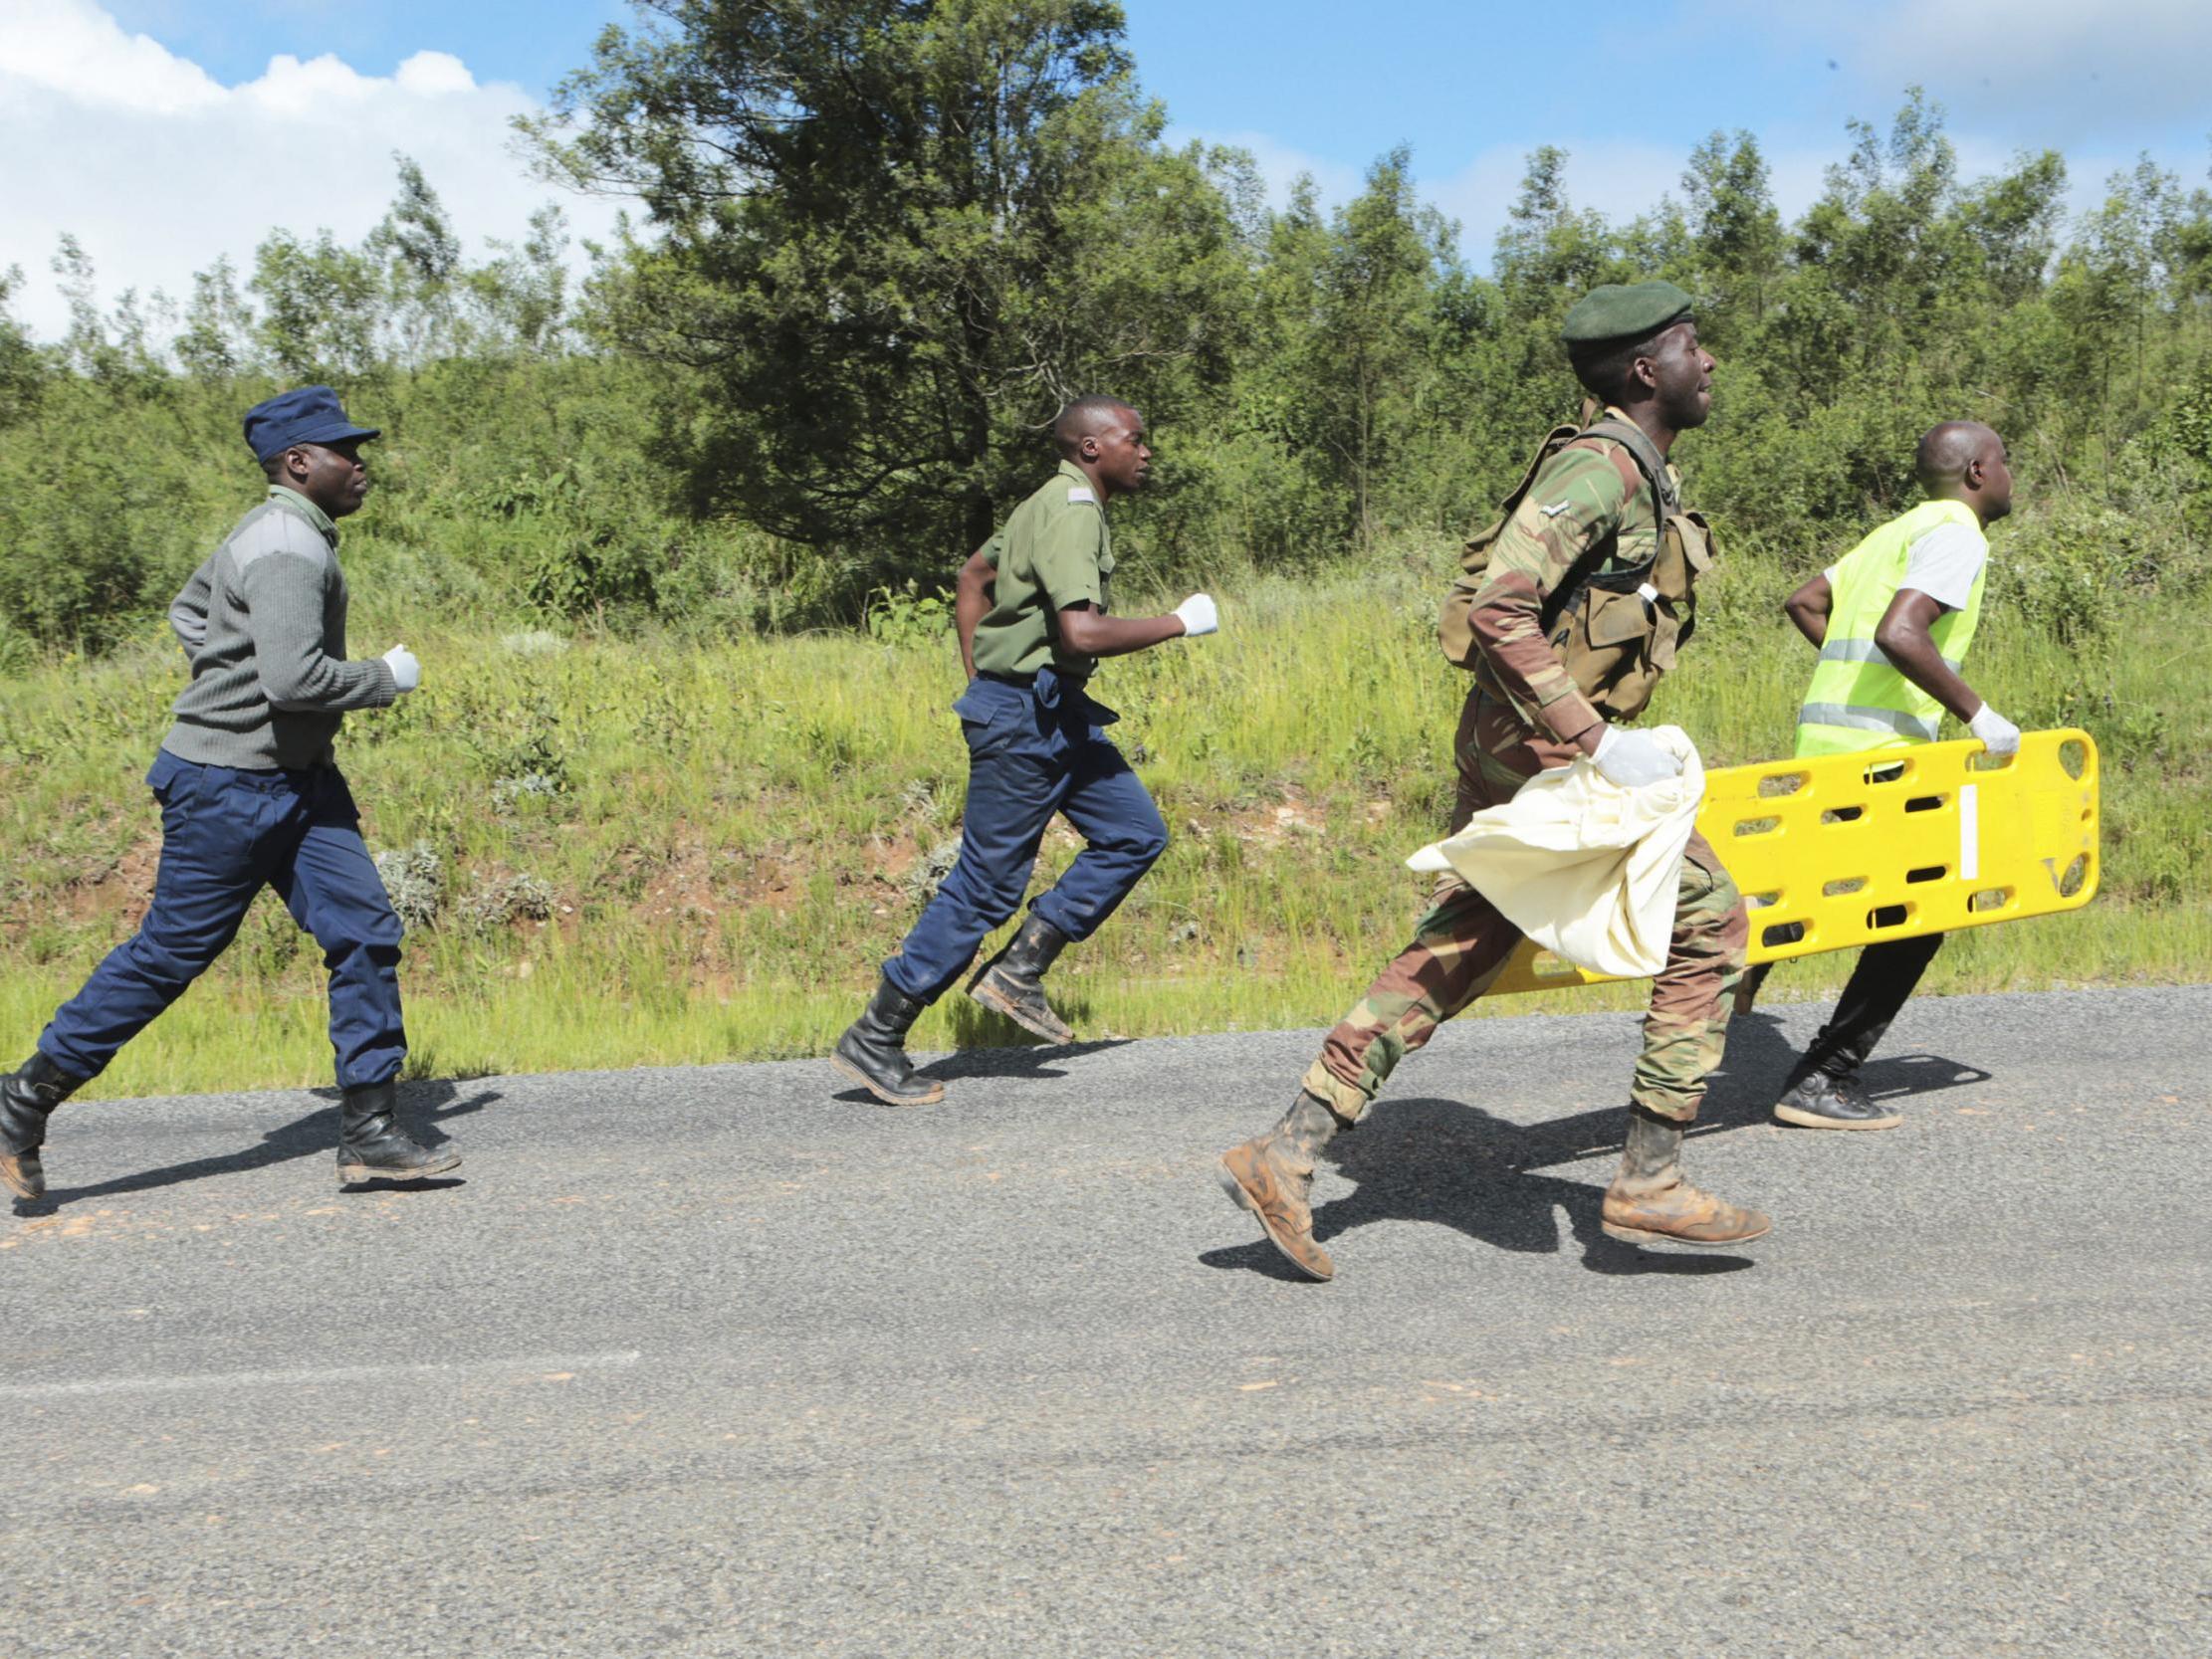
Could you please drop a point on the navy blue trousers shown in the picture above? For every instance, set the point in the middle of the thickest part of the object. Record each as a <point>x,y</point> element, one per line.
<point>1031,751</point>
<point>225,835</point>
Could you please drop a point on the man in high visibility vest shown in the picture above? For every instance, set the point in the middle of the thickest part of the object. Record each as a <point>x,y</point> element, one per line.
<point>1893,619</point>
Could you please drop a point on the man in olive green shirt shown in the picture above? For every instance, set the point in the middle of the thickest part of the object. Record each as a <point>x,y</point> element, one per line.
<point>1035,616</point>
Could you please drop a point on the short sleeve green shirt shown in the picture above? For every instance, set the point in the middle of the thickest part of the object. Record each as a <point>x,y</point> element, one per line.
<point>1053,552</point>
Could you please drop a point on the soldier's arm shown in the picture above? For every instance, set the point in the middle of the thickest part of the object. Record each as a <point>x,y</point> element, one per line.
<point>971,599</point>
<point>1090,634</point>
<point>1902,634</point>
<point>188,611</point>
<point>1574,504</point>
<point>1809,607</point>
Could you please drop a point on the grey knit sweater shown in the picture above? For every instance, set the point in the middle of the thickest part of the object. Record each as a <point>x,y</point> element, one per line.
<point>264,624</point>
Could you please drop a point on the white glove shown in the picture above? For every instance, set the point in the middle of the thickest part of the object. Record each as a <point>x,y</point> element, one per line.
<point>1199,615</point>
<point>1632,759</point>
<point>1998,734</point>
<point>406,673</point>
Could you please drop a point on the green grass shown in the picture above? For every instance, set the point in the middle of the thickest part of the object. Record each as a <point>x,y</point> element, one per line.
<point>729,832</point>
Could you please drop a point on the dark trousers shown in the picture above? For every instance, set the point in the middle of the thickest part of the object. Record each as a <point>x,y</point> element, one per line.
<point>225,835</point>
<point>1032,750</point>
<point>1879,986</point>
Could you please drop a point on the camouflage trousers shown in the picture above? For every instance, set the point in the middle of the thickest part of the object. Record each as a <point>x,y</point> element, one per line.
<point>1462,943</point>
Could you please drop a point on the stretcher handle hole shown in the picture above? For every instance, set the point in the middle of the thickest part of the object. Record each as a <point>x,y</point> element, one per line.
<point>1783,933</point>
<point>1782,783</point>
<point>1929,873</point>
<point>1757,826</point>
<point>2075,875</point>
<point>1848,884</point>
<point>2073,757</point>
<point>1924,803</point>
<point>1888,772</point>
<point>1889,915</point>
<point>1987,762</point>
<point>1842,814</point>
<point>1990,898</point>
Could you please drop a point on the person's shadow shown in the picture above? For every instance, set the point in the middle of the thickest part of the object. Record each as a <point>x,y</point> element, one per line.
<point>1437,1160</point>
<point>988,1044</point>
<point>1440,1160</point>
<point>424,1106</point>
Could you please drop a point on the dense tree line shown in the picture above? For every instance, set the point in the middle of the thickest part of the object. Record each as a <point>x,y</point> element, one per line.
<point>876,243</point>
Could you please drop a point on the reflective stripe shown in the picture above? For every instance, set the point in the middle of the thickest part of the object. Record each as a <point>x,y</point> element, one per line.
<point>1865,651</point>
<point>1856,719</point>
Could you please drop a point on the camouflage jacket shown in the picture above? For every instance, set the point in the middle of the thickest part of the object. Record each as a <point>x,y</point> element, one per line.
<point>1589,493</point>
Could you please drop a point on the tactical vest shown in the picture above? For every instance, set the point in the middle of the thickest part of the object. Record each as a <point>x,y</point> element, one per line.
<point>1615,631</point>
<point>1858,699</point>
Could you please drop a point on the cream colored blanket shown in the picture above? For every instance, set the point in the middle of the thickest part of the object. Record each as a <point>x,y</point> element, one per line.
<point>1585,868</point>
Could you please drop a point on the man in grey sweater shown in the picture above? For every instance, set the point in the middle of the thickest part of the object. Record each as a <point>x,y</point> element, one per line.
<point>251,796</point>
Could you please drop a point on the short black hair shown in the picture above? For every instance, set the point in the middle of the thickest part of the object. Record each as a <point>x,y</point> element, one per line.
<point>1604,368</point>
<point>1082,416</point>
<point>1946,450</point>
<point>273,468</point>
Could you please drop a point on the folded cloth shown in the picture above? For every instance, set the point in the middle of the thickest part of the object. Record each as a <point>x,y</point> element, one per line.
<point>1585,868</point>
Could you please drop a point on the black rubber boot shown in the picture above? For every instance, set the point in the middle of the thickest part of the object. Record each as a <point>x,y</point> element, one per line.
<point>372,1147</point>
<point>1814,1100</point>
<point>28,1097</point>
<point>1012,985</point>
<point>872,1052</point>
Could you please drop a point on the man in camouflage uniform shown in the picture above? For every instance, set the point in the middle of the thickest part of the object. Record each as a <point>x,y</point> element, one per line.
<point>1568,585</point>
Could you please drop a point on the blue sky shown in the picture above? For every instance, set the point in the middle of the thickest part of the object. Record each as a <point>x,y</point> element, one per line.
<point>144,125</point>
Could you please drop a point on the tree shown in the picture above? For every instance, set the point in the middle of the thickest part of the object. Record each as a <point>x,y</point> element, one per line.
<point>891,236</point>
<point>22,366</point>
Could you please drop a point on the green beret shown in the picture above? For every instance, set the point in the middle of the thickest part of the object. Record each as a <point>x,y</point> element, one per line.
<point>1623,311</point>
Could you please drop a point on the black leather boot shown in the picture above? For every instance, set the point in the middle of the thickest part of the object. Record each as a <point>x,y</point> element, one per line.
<point>28,1097</point>
<point>372,1147</point>
<point>1012,985</point>
<point>872,1052</point>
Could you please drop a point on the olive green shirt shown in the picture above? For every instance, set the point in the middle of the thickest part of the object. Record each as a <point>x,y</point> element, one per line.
<point>1053,552</point>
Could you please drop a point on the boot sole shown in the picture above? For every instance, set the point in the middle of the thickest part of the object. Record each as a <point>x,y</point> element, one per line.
<point>1243,1201</point>
<point>1813,1120</point>
<point>352,1174</point>
<point>936,1093</point>
<point>989,997</point>
<point>16,1184</point>
<point>1638,1235</point>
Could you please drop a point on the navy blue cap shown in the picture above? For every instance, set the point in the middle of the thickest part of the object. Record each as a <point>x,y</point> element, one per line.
<point>304,415</point>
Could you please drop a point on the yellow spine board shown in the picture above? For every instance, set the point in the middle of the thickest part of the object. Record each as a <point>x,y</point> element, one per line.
<point>1846,849</point>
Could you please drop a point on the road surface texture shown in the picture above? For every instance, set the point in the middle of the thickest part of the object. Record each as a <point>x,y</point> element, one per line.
<point>730,1361</point>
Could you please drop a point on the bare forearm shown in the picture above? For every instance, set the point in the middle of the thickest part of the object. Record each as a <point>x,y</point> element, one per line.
<point>1810,607</point>
<point>971,604</point>
<point>1919,662</point>
<point>1088,634</point>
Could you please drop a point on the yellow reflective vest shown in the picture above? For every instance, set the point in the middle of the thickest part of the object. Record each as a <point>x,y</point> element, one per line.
<point>1858,699</point>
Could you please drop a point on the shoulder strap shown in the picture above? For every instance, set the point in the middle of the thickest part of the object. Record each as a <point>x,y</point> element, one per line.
<point>1648,460</point>
<point>1652,465</point>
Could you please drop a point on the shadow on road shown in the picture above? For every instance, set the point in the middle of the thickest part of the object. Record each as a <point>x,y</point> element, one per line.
<point>1759,1058</point>
<point>425,1106</point>
<point>1440,1160</point>
<point>1036,1061</point>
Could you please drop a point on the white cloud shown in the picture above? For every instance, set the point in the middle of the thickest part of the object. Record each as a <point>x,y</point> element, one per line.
<point>1281,164</point>
<point>157,168</point>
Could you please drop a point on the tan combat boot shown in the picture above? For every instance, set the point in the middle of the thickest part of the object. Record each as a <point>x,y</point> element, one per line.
<point>1648,1202</point>
<point>1272,1176</point>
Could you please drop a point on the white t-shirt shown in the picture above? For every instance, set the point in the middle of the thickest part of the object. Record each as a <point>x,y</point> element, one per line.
<point>1943,564</point>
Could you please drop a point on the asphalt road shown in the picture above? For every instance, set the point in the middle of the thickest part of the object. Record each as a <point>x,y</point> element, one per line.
<point>727,1361</point>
